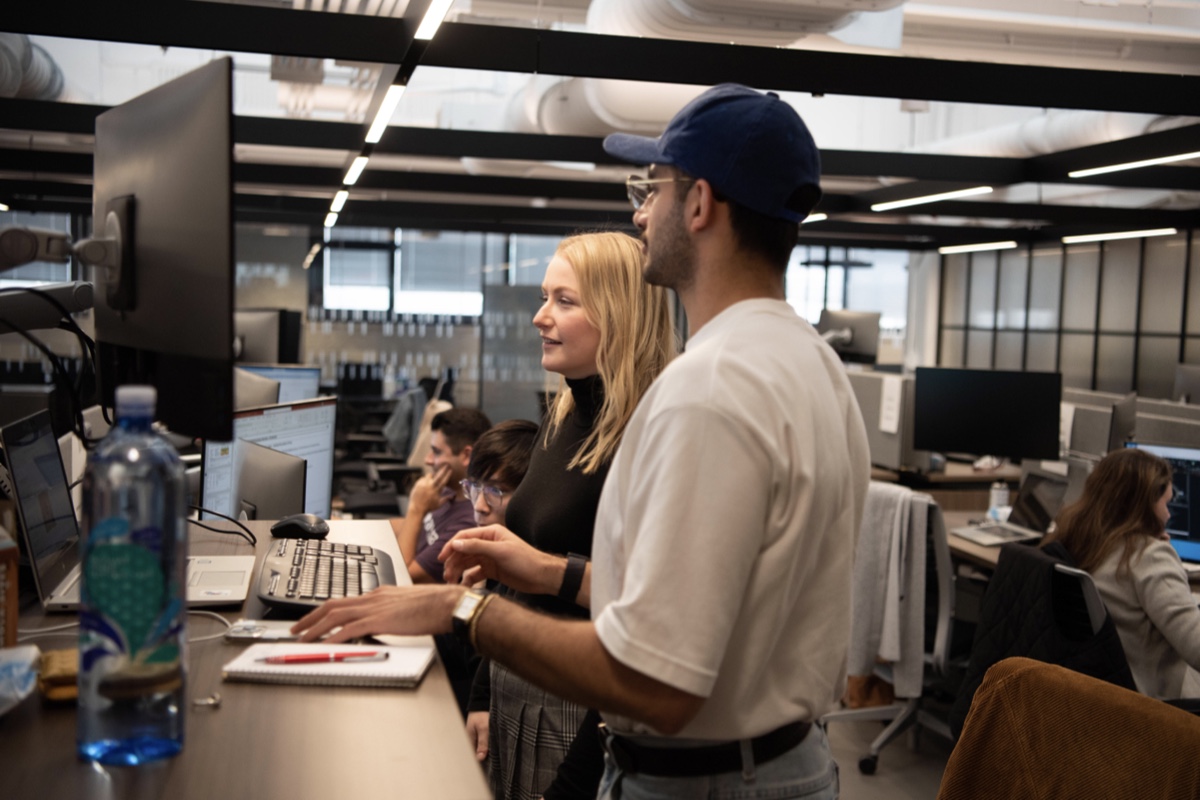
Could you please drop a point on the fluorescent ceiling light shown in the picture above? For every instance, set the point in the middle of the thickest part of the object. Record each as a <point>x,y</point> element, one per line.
<point>312,253</point>
<point>1104,237</point>
<point>814,218</point>
<point>931,198</point>
<point>330,219</point>
<point>976,248</point>
<point>1149,162</point>
<point>384,115</point>
<point>356,168</point>
<point>3,207</point>
<point>432,19</point>
<point>339,200</point>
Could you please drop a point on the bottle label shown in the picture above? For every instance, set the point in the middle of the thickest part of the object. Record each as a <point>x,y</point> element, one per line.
<point>130,614</point>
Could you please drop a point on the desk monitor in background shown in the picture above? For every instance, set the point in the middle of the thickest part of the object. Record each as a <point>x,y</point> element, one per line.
<point>987,412</point>
<point>296,382</point>
<point>304,429</point>
<point>1187,384</point>
<point>1098,428</point>
<point>267,335</point>
<point>270,483</point>
<point>1184,524</point>
<point>163,187</point>
<point>251,390</point>
<point>853,334</point>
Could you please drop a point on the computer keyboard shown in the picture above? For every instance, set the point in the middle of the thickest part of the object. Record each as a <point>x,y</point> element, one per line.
<point>300,574</point>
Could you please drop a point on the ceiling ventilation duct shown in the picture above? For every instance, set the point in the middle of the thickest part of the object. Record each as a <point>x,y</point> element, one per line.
<point>585,106</point>
<point>26,70</point>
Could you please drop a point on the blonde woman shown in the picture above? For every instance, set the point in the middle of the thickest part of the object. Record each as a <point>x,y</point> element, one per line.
<point>1117,532</point>
<point>608,334</point>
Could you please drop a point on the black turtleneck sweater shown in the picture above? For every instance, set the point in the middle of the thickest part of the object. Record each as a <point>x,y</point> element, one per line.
<point>554,508</point>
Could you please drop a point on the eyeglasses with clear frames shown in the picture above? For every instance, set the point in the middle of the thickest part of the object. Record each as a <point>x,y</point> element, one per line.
<point>492,495</point>
<point>639,189</point>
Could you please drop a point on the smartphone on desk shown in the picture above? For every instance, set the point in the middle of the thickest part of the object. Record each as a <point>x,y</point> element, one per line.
<point>261,630</point>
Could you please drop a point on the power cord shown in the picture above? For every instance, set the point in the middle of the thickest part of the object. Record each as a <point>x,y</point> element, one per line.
<point>60,630</point>
<point>248,535</point>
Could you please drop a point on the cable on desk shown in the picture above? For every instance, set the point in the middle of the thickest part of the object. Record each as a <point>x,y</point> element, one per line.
<point>215,616</point>
<point>248,536</point>
<point>33,633</point>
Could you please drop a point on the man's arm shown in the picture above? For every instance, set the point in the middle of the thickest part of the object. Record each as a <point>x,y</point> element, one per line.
<point>564,657</point>
<point>425,496</point>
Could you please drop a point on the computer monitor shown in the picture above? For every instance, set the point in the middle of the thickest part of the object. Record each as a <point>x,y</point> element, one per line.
<point>1187,384</point>
<point>303,428</point>
<point>271,483</point>
<point>296,382</point>
<point>1183,526</point>
<point>251,390</point>
<point>267,335</point>
<point>163,187</point>
<point>987,412</point>
<point>853,334</point>
<point>1099,427</point>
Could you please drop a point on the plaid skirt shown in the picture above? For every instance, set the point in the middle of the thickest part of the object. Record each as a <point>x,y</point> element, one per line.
<point>529,733</point>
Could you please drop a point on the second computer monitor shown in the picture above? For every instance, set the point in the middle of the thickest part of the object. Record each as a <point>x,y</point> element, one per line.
<point>987,412</point>
<point>304,429</point>
<point>855,334</point>
<point>296,382</point>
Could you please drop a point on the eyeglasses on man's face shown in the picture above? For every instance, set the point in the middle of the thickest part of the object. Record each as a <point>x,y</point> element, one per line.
<point>492,495</point>
<point>640,189</point>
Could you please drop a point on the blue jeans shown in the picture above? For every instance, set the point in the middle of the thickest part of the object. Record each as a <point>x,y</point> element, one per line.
<point>807,771</point>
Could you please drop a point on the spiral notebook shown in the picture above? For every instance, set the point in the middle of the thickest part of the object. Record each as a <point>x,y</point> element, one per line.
<point>403,667</point>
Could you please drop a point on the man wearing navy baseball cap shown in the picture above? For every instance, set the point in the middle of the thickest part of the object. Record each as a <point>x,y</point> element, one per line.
<point>721,572</point>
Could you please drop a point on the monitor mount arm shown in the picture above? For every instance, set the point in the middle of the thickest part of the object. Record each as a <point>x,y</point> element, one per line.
<point>838,337</point>
<point>112,253</point>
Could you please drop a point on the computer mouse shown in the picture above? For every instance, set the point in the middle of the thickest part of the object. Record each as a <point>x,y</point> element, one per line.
<point>300,526</point>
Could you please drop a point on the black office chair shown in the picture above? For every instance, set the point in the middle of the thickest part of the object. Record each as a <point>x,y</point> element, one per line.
<point>1034,608</point>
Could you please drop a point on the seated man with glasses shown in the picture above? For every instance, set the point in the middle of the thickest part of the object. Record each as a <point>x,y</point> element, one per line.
<point>437,505</point>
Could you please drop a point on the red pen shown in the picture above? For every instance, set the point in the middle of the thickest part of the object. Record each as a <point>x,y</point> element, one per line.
<point>325,658</point>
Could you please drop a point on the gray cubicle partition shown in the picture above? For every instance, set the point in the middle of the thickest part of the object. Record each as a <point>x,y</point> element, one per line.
<point>890,449</point>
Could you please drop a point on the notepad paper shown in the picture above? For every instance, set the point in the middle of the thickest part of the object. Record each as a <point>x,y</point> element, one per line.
<point>404,666</point>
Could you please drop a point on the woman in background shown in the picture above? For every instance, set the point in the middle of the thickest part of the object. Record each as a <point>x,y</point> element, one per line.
<point>1116,531</point>
<point>608,334</point>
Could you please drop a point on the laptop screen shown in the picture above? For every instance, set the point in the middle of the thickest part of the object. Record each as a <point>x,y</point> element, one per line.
<point>1183,526</point>
<point>43,500</point>
<point>1038,502</point>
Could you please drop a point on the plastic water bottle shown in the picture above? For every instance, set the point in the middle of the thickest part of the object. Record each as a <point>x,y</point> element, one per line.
<point>997,499</point>
<point>133,641</point>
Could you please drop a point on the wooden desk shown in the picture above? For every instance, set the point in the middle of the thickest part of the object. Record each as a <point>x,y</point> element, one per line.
<point>263,742</point>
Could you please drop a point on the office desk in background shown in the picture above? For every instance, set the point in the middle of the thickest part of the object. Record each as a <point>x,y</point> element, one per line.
<point>264,741</point>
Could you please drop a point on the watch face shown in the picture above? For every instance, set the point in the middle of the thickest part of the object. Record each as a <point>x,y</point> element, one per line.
<point>466,605</point>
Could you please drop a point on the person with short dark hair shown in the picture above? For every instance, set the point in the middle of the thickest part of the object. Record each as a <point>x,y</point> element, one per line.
<point>437,506</point>
<point>499,461</point>
<point>1116,531</point>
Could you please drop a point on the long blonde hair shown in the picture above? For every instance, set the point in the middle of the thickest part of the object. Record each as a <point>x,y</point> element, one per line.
<point>637,339</point>
<point>1116,509</point>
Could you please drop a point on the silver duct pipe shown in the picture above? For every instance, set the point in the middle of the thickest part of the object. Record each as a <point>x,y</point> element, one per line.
<point>27,70</point>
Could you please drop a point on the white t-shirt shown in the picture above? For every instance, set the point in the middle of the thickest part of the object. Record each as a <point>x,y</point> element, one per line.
<point>726,529</point>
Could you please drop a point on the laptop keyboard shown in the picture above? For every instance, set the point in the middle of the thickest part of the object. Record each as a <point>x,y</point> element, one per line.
<point>301,574</point>
<point>1002,532</point>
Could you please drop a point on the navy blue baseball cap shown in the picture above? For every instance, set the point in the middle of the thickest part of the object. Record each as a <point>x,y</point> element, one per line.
<point>752,147</point>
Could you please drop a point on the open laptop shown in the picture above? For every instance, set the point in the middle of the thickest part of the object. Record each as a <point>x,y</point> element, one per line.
<point>50,531</point>
<point>1038,501</point>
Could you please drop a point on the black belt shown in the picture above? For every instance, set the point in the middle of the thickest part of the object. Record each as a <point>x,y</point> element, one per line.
<point>713,759</point>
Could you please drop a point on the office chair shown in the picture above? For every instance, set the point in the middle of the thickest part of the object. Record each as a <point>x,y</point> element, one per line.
<point>1037,605</point>
<point>916,527</point>
<point>1038,730</point>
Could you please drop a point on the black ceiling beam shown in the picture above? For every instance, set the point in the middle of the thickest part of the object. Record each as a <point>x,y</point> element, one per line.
<point>1175,141</point>
<point>591,55</point>
<point>217,26</point>
<point>245,28</point>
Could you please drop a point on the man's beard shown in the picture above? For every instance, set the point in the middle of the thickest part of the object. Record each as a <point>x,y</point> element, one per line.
<point>671,255</point>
